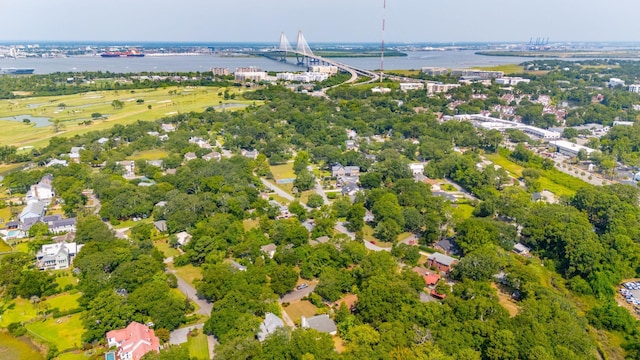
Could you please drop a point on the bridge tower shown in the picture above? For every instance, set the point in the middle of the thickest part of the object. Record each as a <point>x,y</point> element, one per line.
<point>303,51</point>
<point>285,47</point>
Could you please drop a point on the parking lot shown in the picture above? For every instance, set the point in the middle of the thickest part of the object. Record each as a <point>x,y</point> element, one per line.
<point>631,292</point>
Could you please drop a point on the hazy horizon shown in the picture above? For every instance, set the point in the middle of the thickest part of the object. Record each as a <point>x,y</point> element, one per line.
<point>353,21</point>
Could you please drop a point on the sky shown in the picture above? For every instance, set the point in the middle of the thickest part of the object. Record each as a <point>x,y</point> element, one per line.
<point>410,21</point>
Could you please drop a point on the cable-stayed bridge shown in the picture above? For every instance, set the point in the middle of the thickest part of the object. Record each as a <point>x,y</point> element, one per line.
<point>305,57</point>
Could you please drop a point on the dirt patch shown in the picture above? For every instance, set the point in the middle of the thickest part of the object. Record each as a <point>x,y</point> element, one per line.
<point>504,298</point>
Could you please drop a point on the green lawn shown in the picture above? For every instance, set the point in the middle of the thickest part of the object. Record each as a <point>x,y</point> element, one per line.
<point>198,346</point>
<point>462,211</point>
<point>5,216</point>
<point>66,279</point>
<point>189,273</point>
<point>16,310</point>
<point>63,302</point>
<point>155,154</point>
<point>12,348</point>
<point>166,249</point>
<point>79,108</point>
<point>73,355</point>
<point>65,332</point>
<point>284,171</point>
<point>4,247</point>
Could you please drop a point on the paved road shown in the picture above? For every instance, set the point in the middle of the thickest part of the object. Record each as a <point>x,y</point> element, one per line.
<point>374,247</point>
<point>298,294</point>
<point>191,293</point>
<point>320,191</point>
<point>341,228</point>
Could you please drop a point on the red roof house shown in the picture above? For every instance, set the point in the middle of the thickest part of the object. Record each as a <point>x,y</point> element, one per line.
<point>133,341</point>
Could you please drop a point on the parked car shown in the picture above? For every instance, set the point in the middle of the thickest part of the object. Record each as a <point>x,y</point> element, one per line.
<point>302,286</point>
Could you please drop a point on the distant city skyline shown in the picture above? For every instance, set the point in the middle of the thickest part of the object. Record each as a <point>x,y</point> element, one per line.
<point>411,21</point>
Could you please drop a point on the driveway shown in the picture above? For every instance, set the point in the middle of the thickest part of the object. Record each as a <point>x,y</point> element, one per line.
<point>179,336</point>
<point>341,228</point>
<point>297,294</point>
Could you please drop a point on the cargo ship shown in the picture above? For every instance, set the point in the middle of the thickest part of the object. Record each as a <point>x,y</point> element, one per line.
<point>132,53</point>
<point>16,71</point>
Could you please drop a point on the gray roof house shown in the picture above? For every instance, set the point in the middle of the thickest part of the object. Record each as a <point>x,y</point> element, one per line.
<point>270,324</point>
<point>161,225</point>
<point>269,249</point>
<point>33,210</point>
<point>322,323</point>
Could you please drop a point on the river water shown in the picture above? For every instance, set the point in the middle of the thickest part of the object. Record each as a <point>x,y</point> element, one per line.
<point>414,60</point>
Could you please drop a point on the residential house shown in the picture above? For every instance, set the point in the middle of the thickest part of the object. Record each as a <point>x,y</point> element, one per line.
<point>32,210</point>
<point>352,171</point>
<point>429,278</point>
<point>57,256</point>
<point>238,266</point>
<point>441,262</point>
<point>190,156</point>
<point>269,250</point>
<point>350,144</point>
<point>55,162</point>
<point>160,225</point>
<point>129,167</point>
<point>183,238</point>
<point>156,163</point>
<point>416,168</point>
<point>42,191</point>
<point>270,324</point>
<point>133,342</point>
<point>202,143</point>
<point>74,154</point>
<point>448,246</point>
<point>168,127</point>
<point>102,140</point>
<point>338,171</point>
<point>251,154</point>
<point>351,134</point>
<point>214,155</point>
<point>60,225</point>
<point>322,323</point>
<point>521,249</point>
<point>350,189</point>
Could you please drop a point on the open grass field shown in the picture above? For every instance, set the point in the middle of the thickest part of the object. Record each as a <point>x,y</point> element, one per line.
<point>63,302</point>
<point>516,170</point>
<point>16,310</point>
<point>284,171</point>
<point>12,348</point>
<point>65,332</point>
<point>79,108</point>
<point>507,69</point>
<point>155,154</point>
<point>462,211</point>
<point>189,273</point>
<point>5,215</point>
<point>300,308</point>
<point>198,347</point>
<point>4,247</point>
